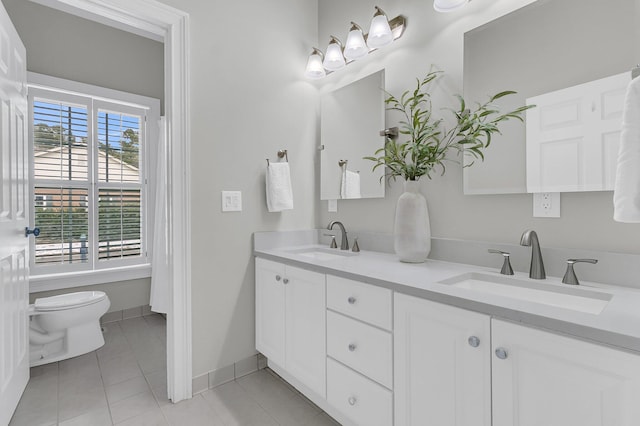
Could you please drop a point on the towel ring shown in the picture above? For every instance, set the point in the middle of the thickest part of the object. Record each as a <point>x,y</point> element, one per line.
<point>281,154</point>
<point>342,163</point>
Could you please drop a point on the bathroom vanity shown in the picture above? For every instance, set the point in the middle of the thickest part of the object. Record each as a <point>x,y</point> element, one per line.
<point>373,341</point>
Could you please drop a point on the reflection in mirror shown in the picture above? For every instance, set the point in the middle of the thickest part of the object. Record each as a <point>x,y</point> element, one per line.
<point>543,47</point>
<point>351,119</point>
<point>573,136</point>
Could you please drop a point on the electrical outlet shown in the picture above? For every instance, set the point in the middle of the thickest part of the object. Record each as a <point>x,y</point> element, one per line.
<point>546,204</point>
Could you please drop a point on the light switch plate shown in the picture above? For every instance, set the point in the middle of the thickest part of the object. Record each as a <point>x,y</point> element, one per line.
<point>231,201</point>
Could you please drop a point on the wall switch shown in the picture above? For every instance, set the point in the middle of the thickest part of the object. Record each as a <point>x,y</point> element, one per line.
<point>546,204</point>
<point>231,201</point>
<point>332,206</point>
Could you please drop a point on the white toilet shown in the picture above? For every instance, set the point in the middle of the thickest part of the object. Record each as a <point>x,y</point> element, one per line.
<point>65,326</point>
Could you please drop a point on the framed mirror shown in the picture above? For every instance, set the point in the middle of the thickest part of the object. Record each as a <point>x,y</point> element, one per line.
<point>351,120</point>
<point>543,47</point>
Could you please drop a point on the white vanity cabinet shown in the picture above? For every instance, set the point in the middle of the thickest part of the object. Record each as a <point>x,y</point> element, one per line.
<point>442,364</point>
<point>542,378</point>
<point>454,367</point>
<point>290,321</point>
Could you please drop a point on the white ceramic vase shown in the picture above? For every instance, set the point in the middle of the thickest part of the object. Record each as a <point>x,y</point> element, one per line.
<point>411,230</point>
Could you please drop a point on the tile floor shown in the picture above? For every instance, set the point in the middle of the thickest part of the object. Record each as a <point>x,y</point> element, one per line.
<point>124,383</point>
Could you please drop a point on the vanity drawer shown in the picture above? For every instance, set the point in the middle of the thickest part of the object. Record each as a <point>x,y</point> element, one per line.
<point>364,402</point>
<point>360,346</point>
<point>363,301</point>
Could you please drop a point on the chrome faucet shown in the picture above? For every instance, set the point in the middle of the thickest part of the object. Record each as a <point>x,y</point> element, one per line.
<point>536,270</point>
<point>344,242</point>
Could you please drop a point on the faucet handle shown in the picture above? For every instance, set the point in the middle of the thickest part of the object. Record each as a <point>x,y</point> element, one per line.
<point>570,275</point>
<point>506,265</point>
<point>333,240</point>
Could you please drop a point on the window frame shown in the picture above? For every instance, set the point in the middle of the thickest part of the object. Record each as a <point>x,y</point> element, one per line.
<point>95,99</point>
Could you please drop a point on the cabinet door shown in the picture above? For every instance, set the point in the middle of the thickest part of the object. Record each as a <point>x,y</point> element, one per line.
<point>441,379</point>
<point>270,311</point>
<point>551,380</point>
<point>305,327</point>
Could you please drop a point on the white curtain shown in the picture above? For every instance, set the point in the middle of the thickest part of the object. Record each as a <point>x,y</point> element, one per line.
<point>159,262</point>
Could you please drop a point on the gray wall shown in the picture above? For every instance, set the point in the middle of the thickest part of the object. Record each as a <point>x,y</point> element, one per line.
<point>434,38</point>
<point>249,99</point>
<point>65,46</point>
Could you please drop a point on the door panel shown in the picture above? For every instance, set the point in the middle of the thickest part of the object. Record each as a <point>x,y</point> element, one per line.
<point>306,327</point>
<point>270,311</point>
<point>439,378</point>
<point>14,274</point>
<point>552,380</point>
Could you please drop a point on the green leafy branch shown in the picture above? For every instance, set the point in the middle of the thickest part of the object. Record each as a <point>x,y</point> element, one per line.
<point>428,141</point>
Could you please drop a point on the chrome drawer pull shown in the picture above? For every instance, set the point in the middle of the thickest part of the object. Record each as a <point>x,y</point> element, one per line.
<point>352,400</point>
<point>474,341</point>
<point>501,353</point>
<point>278,277</point>
<point>351,300</point>
<point>352,347</point>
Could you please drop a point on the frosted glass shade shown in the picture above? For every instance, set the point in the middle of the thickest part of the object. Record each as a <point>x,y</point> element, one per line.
<point>315,70</point>
<point>355,48</point>
<point>448,5</point>
<point>333,59</point>
<point>380,33</point>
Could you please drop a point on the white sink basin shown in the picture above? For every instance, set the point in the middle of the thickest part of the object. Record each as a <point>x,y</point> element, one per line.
<point>324,254</point>
<point>569,297</point>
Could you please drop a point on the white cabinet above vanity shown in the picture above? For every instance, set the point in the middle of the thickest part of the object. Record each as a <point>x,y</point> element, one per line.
<point>411,345</point>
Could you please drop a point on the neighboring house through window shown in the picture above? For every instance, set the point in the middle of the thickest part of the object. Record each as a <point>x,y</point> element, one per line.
<point>89,175</point>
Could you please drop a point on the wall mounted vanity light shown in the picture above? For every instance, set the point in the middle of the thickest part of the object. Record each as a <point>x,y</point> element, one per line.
<point>315,69</point>
<point>333,59</point>
<point>382,32</point>
<point>356,47</point>
<point>448,5</point>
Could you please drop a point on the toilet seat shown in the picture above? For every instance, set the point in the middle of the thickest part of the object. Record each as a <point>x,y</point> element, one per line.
<point>69,300</point>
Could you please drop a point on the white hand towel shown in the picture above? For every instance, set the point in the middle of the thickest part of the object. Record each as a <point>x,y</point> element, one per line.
<point>626,196</point>
<point>350,187</point>
<point>279,192</point>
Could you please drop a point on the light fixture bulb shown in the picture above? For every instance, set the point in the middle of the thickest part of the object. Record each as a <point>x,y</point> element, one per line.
<point>333,58</point>
<point>380,33</point>
<point>315,70</point>
<point>355,48</point>
<point>448,5</point>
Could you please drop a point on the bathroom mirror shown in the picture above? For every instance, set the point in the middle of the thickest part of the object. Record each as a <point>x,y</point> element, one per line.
<point>545,46</point>
<point>351,119</point>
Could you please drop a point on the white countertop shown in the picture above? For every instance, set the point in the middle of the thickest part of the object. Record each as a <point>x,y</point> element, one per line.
<point>618,324</point>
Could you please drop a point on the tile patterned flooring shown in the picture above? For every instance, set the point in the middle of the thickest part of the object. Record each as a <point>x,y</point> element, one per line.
<point>124,383</point>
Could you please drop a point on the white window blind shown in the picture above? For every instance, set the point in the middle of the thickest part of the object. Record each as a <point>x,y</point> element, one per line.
<point>88,182</point>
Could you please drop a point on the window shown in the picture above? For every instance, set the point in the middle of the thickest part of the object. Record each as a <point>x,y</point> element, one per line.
<point>89,182</point>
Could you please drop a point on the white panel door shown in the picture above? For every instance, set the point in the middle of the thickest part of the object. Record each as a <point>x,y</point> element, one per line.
<point>14,274</point>
<point>573,136</point>
<point>551,380</point>
<point>306,327</point>
<point>270,312</point>
<point>442,365</point>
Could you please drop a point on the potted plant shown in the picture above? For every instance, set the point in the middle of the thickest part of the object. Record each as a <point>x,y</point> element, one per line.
<point>425,144</point>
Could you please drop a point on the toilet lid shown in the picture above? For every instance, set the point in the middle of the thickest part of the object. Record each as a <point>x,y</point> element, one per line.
<point>69,300</point>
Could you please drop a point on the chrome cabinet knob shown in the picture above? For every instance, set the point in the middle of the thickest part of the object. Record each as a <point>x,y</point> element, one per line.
<point>352,400</point>
<point>474,341</point>
<point>351,300</point>
<point>501,353</point>
<point>278,277</point>
<point>352,347</point>
<point>285,280</point>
